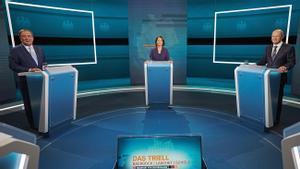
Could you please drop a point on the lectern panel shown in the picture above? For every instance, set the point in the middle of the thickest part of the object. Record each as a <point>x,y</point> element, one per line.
<point>158,82</point>
<point>257,90</point>
<point>61,98</point>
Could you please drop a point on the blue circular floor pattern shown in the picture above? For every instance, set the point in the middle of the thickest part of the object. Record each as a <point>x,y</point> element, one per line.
<point>227,143</point>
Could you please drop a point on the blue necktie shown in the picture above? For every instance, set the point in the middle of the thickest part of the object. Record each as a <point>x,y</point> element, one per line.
<point>33,55</point>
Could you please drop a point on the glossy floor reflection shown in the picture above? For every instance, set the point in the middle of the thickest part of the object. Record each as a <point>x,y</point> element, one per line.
<point>227,143</point>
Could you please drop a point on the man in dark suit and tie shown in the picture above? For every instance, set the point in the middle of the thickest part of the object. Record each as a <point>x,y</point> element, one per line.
<point>281,56</point>
<point>26,57</point>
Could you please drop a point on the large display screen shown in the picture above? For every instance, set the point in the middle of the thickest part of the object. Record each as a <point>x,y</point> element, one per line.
<point>239,34</point>
<point>159,152</point>
<point>66,35</point>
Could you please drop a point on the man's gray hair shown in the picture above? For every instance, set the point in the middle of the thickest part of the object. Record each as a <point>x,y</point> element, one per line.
<point>281,32</point>
<point>24,30</point>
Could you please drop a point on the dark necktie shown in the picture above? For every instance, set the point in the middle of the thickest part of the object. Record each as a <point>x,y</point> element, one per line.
<point>274,52</point>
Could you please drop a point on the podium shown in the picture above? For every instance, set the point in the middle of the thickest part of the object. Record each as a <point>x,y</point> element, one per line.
<point>53,96</point>
<point>257,89</point>
<point>158,82</point>
<point>290,147</point>
<point>16,153</point>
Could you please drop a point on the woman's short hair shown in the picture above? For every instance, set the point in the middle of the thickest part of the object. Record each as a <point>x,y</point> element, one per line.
<point>162,38</point>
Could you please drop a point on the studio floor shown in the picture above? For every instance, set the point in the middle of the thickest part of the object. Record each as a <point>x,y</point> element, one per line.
<point>228,142</point>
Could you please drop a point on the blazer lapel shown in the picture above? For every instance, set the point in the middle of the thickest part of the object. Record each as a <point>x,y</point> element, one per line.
<point>270,53</point>
<point>28,55</point>
<point>279,52</point>
<point>26,52</point>
<point>37,55</point>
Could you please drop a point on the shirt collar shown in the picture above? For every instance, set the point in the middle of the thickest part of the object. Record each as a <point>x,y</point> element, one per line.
<point>27,47</point>
<point>278,45</point>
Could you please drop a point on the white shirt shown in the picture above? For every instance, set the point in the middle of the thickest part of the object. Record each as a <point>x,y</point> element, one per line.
<point>278,47</point>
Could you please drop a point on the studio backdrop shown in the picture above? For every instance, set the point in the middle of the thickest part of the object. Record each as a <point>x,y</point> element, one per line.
<point>146,21</point>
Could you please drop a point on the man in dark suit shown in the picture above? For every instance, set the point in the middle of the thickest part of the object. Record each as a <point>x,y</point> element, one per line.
<point>26,57</point>
<point>281,56</point>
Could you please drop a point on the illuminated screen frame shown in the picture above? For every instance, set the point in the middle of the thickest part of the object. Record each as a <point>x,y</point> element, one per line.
<point>7,3</point>
<point>245,10</point>
<point>122,138</point>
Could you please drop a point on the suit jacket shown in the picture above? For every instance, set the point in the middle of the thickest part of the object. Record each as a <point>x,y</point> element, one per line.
<point>163,56</point>
<point>284,57</point>
<point>20,60</point>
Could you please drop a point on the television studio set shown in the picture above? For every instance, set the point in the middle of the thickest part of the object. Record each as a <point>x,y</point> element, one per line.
<point>149,84</point>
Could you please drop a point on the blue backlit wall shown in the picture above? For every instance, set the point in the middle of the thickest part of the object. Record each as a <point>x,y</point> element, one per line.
<point>7,87</point>
<point>65,33</point>
<point>240,36</point>
<point>192,52</point>
<point>66,37</point>
<point>295,78</point>
<point>146,21</point>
